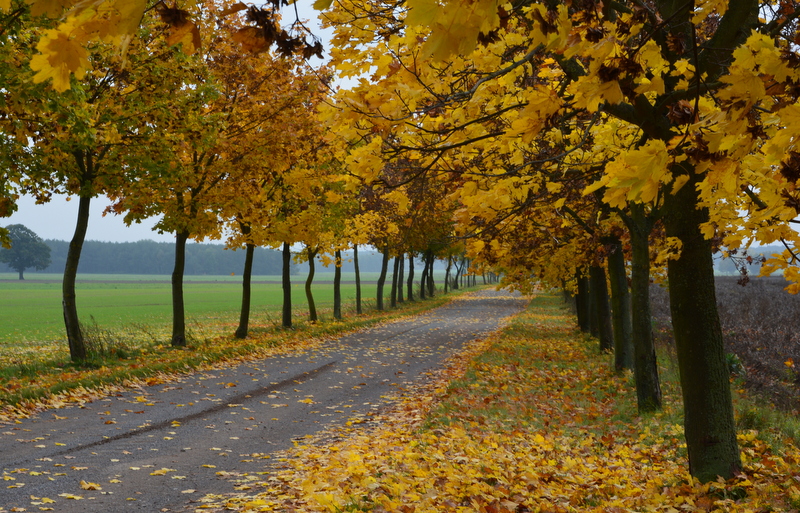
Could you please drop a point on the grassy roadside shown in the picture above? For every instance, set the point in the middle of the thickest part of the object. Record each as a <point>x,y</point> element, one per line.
<point>533,419</point>
<point>125,358</point>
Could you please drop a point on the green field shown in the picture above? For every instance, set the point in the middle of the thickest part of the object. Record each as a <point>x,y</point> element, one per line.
<point>30,310</point>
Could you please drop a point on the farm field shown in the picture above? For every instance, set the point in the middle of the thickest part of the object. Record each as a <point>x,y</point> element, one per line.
<point>140,305</point>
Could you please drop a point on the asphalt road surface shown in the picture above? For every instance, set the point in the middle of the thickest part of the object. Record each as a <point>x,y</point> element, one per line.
<point>163,447</point>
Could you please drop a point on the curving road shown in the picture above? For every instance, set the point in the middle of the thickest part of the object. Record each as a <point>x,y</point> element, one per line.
<point>161,448</point>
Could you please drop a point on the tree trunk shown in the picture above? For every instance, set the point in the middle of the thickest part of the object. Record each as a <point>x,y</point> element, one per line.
<point>382,277</point>
<point>447,273</point>
<point>431,284</point>
<point>77,348</point>
<point>400,282</point>
<point>178,311</point>
<point>312,306</point>
<point>337,286</point>
<point>423,277</point>
<point>620,306</point>
<point>287,285</point>
<point>21,277</point>
<point>602,309</point>
<point>648,387</point>
<point>358,278</point>
<point>410,284</point>
<point>395,276</point>
<point>709,424</point>
<point>244,316</point>
<point>584,305</point>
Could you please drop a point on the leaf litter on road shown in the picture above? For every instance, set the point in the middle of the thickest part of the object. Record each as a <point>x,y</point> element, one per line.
<point>531,419</point>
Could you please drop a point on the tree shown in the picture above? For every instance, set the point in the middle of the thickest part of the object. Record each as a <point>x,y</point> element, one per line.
<point>27,250</point>
<point>693,82</point>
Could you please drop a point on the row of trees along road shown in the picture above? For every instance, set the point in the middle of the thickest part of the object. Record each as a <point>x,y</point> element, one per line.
<point>559,140</point>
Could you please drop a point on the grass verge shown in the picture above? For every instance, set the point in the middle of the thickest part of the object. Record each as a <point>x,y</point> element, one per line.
<point>123,357</point>
<point>533,419</point>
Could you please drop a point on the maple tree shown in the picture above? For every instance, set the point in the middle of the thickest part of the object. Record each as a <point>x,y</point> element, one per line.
<point>691,104</point>
<point>244,115</point>
<point>76,141</point>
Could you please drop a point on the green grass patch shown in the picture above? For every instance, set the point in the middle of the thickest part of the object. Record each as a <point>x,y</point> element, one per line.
<point>122,350</point>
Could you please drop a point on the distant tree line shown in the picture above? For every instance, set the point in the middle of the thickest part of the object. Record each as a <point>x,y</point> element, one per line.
<point>150,257</point>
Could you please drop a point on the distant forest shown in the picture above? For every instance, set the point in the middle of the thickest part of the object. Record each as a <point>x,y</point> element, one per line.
<point>150,257</point>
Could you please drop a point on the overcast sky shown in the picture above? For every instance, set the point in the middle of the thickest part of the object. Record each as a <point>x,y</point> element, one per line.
<point>56,220</point>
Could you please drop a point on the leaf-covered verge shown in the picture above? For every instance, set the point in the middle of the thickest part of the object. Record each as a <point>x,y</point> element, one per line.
<point>532,419</point>
<point>142,357</point>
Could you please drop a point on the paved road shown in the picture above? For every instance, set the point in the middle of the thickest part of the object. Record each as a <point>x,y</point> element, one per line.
<point>161,448</point>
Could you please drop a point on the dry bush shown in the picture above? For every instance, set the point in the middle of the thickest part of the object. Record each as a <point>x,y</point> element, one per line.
<point>759,324</point>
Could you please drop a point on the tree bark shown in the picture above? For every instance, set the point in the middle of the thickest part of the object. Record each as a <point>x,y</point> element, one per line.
<point>312,306</point>
<point>648,386</point>
<point>620,306</point>
<point>337,286</point>
<point>584,305</point>
<point>358,279</point>
<point>77,348</point>
<point>423,277</point>
<point>602,309</point>
<point>400,282</point>
<point>395,276</point>
<point>244,316</point>
<point>410,284</point>
<point>447,273</point>
<point>178,311</point>
<point>382,277</point>
<point>709,424</point>
<point>431,283</point>
<point>287,286</point>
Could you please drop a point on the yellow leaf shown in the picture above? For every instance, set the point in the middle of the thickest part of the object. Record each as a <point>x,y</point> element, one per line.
<point>90,486</point>
<point>50,8</point>
<point>188,34</point>
<point>60,55</point>
<point>321,5</point>
<point>238,6</point>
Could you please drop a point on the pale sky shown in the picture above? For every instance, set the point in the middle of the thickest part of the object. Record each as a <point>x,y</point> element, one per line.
<point>56,220</point>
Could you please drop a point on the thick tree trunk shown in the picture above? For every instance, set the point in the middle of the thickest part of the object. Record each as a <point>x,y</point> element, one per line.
<point>21,277</point>
<point>648,386</point>
<point>395,276</point>
<point>410,284</point>
<point>312,306</point>
<point>382,277</point>
<point>287,286</point>
<point>77,348</point>
<point>620,306</point>
<point>337,286</point>
<point>178,311</point>
<point>602,308</point>
<point>400,282</point>
<point>584,305</point>
<point>708,408</point>
<point>358,278</point>
<point>244,316</point>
